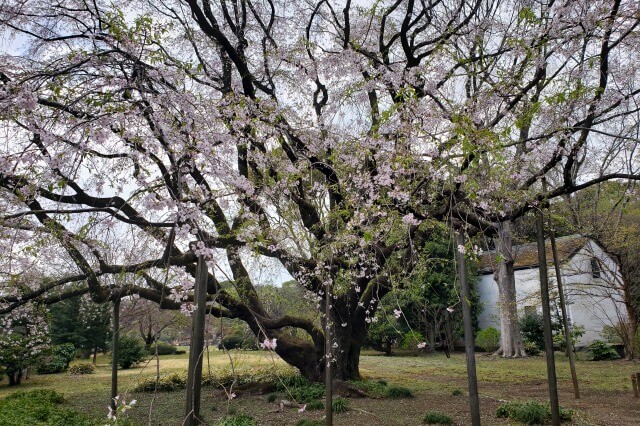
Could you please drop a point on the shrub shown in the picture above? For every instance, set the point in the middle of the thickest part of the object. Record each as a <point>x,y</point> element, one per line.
<point>437,418</point>
<point>294,380</point>
<point>531,412</point>
<point>131,351</point>
<point>300,389</point>
<point>306,393</point>
<point>601,351</point>
<point>238,420</point>
<point>340,405</point>
<point>238,339</point>
<point>577,331</point>
<point>532,328</point>
<point>488,339</point>
<point>39,407</point>
<point>315,405</point>
<point>56,359</point>
<point>411,339</point>
<point>398,392</point>
<point>164,348</point>
<point>457,392</point>
<point>272,397</point>
<point>531,348</point>
<point>82,368</point>
<point>168,383</point>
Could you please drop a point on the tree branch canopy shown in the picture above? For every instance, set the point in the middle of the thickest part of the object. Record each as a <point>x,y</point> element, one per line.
<point>321,139</point>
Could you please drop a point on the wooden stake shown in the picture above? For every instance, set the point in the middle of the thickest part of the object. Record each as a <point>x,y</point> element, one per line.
<point>546,316</point>
<point>635,384</point>
<point>328,385</point>
<point>196,347</point>
<point>115,343</point>
<point>469,341</point>
<point>565,319</point>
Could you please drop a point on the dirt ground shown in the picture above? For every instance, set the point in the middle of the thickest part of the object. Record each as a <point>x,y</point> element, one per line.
<point>600,403</point>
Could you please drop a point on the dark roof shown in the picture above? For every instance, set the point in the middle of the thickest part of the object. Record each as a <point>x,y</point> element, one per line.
<point>526,255</point>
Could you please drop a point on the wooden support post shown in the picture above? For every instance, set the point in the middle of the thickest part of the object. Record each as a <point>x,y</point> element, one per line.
<point>635,384</point>
<point>469,341</point>
<point>115,343</point>
<point>565,319</point>
<point>328,385</point>
<point>546,316</point>
<point>196,347</point>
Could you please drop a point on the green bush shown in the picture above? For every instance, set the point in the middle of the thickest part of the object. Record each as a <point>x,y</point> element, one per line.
<point>238,420</point>
<point>300,389</point>
<point>457,392</point>
<point>531,412</point>
<point>50,364</point>
<point>272,397</point>
<point>601,351</point>
<point>168,383</point>
<point>82,368</point>
<point>488,339</point>
<point>437,418</point>
<point>238,340</point>
<point>131,351</point>
<point>531,348</point>
<point>56,359</point>
<point>340,405</point>
<point>532,328</point>
<point>306,393</point>
<point>411,339</point>
<point>398,392</point>
<point>577,331</point>
<point>163,348</point>
<point>39,407</point>
<point>315,405</point>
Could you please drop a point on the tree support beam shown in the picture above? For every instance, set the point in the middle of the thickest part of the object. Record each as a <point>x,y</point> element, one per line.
<point>546,316</point>
<point>469,341</point>
<point>196,347</point>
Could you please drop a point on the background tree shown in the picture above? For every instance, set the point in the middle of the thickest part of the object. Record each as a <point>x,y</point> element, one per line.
<point>610,213</point>
<point>151,323</point>
<point>23,337</point>
<point>426,299</point>
<point>83,323</point>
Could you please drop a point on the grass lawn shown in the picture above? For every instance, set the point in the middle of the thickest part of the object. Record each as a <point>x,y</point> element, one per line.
<point>607,398</point>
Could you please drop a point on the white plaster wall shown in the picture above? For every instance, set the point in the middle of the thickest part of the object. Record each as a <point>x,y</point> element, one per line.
<point>488,292</point>
<point>592,302</point>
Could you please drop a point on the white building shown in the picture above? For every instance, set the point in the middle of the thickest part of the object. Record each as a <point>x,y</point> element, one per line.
<point>590,278</point>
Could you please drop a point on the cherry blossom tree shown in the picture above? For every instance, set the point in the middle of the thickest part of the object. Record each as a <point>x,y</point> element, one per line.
<point>318,134</point>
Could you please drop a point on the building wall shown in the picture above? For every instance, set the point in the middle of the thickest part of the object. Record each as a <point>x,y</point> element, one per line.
<point>591,302</point>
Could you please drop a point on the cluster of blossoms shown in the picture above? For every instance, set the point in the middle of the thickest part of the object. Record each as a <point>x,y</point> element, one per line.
<point>269,344</point>
<point>121,407</point>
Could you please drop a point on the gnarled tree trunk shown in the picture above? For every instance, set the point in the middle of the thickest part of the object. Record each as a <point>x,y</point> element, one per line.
<point>348,331</point>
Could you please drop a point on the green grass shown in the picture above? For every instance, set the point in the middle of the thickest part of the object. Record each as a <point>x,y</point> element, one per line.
<point>89,394</point>
<point>428,373</point>
<point>432,374</point>
<point>38,407</point>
